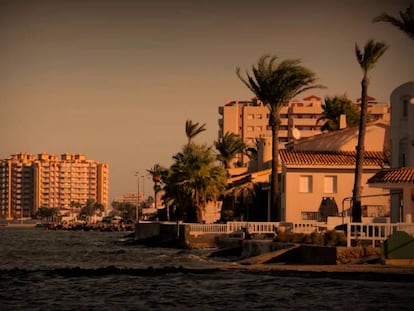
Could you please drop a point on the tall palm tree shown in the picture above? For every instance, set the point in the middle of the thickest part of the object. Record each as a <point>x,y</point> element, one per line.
<point>333,108</point>
<point>193,129</point>
<point>275,84</point>
<point>405,23</point>
<point>194,179</point>
<point>367,60</point>
<point>229,146</point>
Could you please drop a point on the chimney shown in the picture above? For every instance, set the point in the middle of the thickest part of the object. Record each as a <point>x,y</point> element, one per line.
<point>342,121</point>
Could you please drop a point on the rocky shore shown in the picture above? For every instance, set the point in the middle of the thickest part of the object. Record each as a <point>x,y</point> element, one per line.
<point>102,227</point>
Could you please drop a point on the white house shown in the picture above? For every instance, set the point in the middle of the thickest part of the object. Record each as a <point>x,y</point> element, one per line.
<point>309,177</point>
<point>400,178</point>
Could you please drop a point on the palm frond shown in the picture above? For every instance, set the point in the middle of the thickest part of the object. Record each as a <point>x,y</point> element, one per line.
<point>405,23</point>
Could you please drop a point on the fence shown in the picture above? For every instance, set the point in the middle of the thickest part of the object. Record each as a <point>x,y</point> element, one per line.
<point>252,227</point>
<point>374,233</point>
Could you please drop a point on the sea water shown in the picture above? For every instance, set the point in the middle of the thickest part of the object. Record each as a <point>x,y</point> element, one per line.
<point>74,270</point>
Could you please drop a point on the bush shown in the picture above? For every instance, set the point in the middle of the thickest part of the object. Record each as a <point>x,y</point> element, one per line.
<point>328,238</point>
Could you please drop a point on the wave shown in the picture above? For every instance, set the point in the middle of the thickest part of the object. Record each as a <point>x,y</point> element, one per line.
<point>110,270</point>
<point>70,272</point>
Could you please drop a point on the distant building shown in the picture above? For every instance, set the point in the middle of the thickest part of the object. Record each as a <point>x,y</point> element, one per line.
<point>130,197</point>
<point>28,182</point>
<point>250,119</point>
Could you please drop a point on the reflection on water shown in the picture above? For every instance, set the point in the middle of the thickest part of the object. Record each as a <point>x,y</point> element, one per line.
<point>39,272</point>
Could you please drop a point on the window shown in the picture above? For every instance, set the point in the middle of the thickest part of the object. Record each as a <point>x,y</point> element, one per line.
<point>258,128</point>
<point>250,128</point>
<point>309,215</point>
<point>250,116</point>
<point>330,184</point>
<point>305,184</point>
<point>258,116</point>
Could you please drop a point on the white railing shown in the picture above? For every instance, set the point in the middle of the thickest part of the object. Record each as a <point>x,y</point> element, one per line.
<point>356,232</point>
<point>376,233</point>
<point>234,226</point>
<point>198,229</point>
<point>252,227</point>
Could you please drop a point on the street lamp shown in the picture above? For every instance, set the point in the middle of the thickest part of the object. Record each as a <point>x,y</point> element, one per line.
<point>143,188</point>
<point>137,207</point>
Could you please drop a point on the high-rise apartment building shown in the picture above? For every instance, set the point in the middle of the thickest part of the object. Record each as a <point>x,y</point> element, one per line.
<point>28,182</point>
<point>250,119</point>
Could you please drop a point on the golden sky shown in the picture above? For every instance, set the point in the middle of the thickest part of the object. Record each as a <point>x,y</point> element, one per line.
<point>117,79</point>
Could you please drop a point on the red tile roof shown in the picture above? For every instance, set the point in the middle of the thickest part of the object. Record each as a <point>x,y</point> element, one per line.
<point>370,98</point>
<point>394,175</point>
<point>330,158</point>
<point>312,96</point>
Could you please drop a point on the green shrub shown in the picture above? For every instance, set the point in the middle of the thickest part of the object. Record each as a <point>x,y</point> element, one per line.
<point>328,238</point>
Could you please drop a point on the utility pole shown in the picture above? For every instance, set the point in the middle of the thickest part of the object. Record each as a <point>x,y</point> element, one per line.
<point>137,207</point>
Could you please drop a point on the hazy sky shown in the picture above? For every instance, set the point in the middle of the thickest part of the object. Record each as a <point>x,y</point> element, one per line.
<point>116,80</point>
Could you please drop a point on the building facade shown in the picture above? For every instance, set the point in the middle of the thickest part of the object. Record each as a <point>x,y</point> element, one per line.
<point>28,182</point>
<point>250,119</point>
<point>399,179</point>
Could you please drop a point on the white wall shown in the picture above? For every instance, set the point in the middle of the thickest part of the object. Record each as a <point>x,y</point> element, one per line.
<point>297,202</point>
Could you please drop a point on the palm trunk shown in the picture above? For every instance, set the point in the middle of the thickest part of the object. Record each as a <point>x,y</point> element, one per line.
<point>276,212</point>
<point>357,191</point>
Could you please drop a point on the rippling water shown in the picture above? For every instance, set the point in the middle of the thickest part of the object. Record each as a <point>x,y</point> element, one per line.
<point>68,270</point>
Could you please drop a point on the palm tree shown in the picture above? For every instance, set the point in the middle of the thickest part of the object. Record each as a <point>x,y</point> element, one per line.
<point>275,84</point>
<point>193,180</point>
<point>157,171</point>
<point>193,129</point>
<point>367,60</point>
<point>333,108</point>
<point>405,23</point>
<point>229,146</point>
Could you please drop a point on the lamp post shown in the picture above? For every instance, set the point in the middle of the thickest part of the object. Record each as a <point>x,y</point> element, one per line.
<point>137,207</point>
<point>143,188</point>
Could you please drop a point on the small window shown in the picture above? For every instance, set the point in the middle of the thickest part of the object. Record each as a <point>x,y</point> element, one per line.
<point>250,116</point>
<point>250,128</point>
<point>309,215</point>
<point>258,116</point>
<point>258,128</point>
<point>305,184</point>
<point>330,184</point>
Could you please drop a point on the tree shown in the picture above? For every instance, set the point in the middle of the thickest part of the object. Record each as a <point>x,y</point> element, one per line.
<point>47,213</point>
<point>157,172</point>
<point>228,147</point>
<point>91,208</point>
<point>193,129</point>
<point>367,60</point>
<point>193,180</point>
<point>124,209</point>
<point>275,84</point>
<point>333,108</point>
<point>405,23</point>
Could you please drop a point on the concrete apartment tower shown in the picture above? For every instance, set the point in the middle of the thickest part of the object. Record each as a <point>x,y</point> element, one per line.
<point>28,182</point>
<point>250,119</point>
